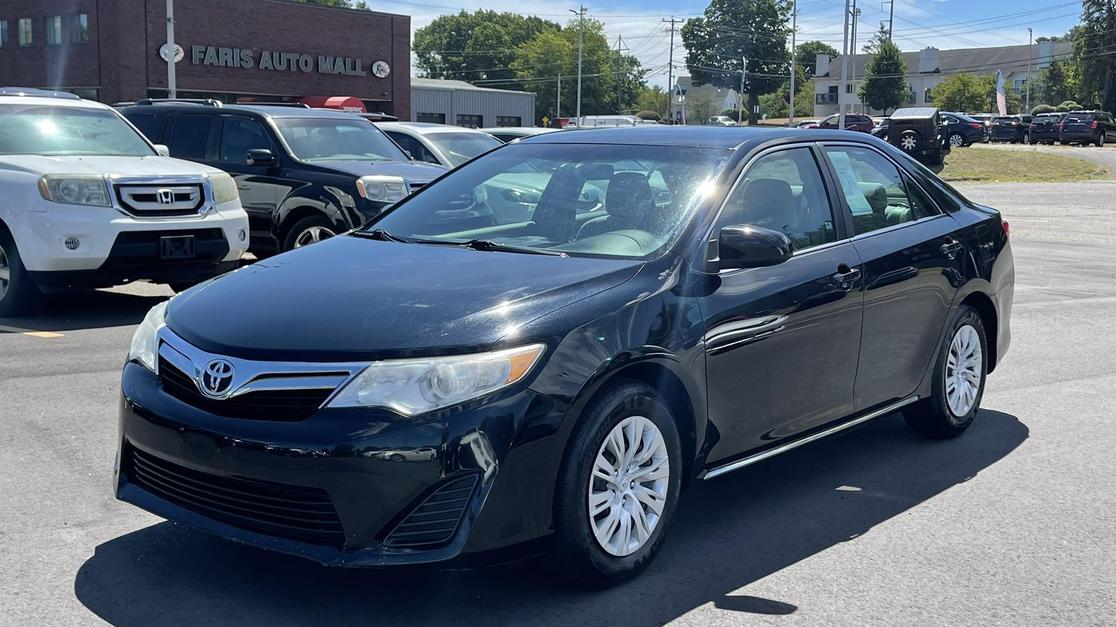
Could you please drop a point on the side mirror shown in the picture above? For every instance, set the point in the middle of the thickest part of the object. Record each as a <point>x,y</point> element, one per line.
<point>747,246</point>
<point>260,156</point>
<point>162,150</point>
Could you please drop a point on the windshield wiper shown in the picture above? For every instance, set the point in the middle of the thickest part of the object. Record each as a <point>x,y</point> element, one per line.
<point>382,235</point>
<point>491,246</point>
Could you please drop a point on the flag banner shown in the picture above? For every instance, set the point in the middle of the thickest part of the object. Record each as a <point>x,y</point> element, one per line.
<point>1001,96</point>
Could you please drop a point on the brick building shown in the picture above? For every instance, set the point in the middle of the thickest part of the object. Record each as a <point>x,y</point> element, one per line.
<point>249,49</point>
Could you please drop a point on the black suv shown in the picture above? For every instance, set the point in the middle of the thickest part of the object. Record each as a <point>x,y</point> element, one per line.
<point>1046,128</point>
<point>303,174</point>
<point>1087,127</point>
<point>1014,129</point>
<point>917,131</point>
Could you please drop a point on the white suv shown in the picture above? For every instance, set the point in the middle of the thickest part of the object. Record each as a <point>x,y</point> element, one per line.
<point>87,201</point>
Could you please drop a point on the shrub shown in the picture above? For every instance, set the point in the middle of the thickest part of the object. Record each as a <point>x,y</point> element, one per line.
<point>1043,108</point>
<point>1068,105</point>
<point>649,115</point>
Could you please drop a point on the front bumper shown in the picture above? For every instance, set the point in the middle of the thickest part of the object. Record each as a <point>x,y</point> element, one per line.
<point>338,487</point>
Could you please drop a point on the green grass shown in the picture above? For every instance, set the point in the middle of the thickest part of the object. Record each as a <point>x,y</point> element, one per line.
<point>978,164</point>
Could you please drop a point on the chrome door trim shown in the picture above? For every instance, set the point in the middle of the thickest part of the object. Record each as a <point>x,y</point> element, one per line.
<point>751,459</point>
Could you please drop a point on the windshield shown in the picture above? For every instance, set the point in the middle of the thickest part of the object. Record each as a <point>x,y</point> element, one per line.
<point>587,199</point>
<point>332,139</point>
<point>63,131</point>
<point>460,147</point>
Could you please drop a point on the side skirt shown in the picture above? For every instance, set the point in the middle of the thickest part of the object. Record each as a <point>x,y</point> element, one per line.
<point>783,448</point>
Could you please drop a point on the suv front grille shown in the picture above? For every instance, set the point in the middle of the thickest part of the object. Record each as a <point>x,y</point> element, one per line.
<point>294,512</point>
<point>159,201</point>
<point>284,405</point>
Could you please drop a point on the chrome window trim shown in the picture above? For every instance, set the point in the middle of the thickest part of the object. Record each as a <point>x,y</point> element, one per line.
<point>254,376</point>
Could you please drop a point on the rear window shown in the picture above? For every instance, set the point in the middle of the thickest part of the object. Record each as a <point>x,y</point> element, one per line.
<point>1081,117</point>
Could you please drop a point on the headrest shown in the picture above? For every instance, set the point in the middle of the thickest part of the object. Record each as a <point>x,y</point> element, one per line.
<point>629,196</point>
<point>876,196</point>
<point>766,198</point>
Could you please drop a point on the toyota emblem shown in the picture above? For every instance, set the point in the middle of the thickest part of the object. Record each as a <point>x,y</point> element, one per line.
<point>164,196</point>
<point>217,377</point>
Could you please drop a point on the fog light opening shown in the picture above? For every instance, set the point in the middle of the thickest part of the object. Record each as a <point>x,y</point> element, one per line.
<point>72,243</point>
<point>242,235</point>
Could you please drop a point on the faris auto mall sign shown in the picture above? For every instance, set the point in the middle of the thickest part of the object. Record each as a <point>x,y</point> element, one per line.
<point>278,61</point>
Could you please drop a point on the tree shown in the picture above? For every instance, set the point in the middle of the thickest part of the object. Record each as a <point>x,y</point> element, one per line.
<point>729,32</point>
<point>652,99</point>
<point>1054,84</point>
<point>878,40</point>
<point>478,46</point>
<point>539,63</point>
<point>774,105</point>
<point>804,100</point>
<point>806,56</point>
<point>1096,38</point>
<point>1042,108</point>
<point>885,83</point>
<point>974,94</point>
<point>701,104</point>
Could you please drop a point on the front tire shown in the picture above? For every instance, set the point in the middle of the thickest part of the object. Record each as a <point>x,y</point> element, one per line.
<point>958,382</point>
<point>1100,140</point>
<point>309,230</point>
<point>956,141</point>
<point>18,293</point>
<point>617,487</point>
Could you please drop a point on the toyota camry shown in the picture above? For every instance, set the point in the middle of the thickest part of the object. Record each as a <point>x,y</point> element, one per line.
<point>551,342</point>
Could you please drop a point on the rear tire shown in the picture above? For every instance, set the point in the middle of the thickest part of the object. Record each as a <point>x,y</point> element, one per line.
<point>1100,140</point>
<point>18,293</point>
<point>908,141</point>
<point>587,548</point>
<point>958,380</point>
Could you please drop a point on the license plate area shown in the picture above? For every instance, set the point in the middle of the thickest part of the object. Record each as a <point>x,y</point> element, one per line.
<point>176,247</point>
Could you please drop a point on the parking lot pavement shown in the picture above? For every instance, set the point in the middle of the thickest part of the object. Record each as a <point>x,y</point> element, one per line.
<point>1013,523</point>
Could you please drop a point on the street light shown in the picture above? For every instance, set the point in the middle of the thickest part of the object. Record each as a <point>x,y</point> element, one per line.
<point>580,13</point>
<point>1030,42</point>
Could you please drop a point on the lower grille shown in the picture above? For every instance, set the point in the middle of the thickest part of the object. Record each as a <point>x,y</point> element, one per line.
<point>284,405</point>
<point>140,250</point>
<point>275,509</point>
<point>433,523</point>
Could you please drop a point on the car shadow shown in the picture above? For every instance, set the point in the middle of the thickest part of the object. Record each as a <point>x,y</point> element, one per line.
<point>728,533</point>
<point>92,309</point>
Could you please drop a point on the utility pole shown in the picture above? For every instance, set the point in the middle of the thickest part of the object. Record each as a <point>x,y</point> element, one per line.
<point>580,13</point>
<point>740,96</point>
<point>890,19</point>
<point>670,70</point>
<point>844,71</point>
<point>855,15</point>
<point>1030,42</point>
<point>794,62</point>
<point>620,48</point>
<point>558,107</point>
<point>172,82</point>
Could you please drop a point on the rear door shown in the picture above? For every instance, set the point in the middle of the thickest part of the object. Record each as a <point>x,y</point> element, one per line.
<point>912,256</point>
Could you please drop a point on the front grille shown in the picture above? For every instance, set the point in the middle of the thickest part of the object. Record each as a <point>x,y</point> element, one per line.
<point>148,200</point>
<point>433,523</point>
<point>275,509</point>
<point>285,405</point>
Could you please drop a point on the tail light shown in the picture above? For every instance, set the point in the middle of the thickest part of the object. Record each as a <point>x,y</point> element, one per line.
<point>976,125</point>
<point>1007,228</point>
<point>1093,125</point>
<point>1061,125</point>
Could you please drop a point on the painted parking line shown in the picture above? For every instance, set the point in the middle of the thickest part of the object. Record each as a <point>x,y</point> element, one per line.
<point>29,332</point>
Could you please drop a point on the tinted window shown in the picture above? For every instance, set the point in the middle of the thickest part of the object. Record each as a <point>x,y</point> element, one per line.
<point>783,191</point>
<point>238,136</point>
<point>39,130</point>
<point>598,199</point>
<point>190,136</point>
<point>147,123</point>
<point>876,192</point>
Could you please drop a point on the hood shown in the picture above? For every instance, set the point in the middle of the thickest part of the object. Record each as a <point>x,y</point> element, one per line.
<point>411,171</point>
<point>152,165</point>
<point>354,299</point>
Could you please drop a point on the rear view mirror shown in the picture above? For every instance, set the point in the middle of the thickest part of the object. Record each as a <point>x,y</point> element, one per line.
<point>260,156</point>
<point>747,246</point>
<point>162,150</point>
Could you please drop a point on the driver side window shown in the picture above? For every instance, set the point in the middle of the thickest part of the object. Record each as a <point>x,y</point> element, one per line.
<point>782,191</point>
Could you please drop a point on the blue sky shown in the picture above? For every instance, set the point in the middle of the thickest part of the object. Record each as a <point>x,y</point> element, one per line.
<point>945,24</point>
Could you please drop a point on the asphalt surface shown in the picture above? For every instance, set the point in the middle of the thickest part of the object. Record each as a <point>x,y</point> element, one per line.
<point>1014,523</point>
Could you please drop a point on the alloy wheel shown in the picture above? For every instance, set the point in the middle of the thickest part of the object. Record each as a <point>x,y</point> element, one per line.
<point>964,370</point>
<point>628,486</point>
<point>5,272</point>
<point>955,140</point>
<point>907,143</point>
<point>312,235</point>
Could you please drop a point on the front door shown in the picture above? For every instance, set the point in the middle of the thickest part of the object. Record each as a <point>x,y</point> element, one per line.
<point>782,341</point>
<point>260,186</point>
<point>912,253</point>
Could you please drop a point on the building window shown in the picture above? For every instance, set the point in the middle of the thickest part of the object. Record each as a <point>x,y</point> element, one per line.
<point>431,118</point>
<point>79,28</point>
<point>509,120</point>
<point>469,120</point>
<point>24,31</point>
<point>848,88</point>
<point>928,95</point>
<point>54,30</point>
<point>3,33</point>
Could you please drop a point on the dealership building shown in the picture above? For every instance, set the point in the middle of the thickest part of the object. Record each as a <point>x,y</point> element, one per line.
<point>113,51</point>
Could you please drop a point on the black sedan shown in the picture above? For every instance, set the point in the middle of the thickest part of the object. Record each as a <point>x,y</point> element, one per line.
<point>514,355</point>
<point>960,130</point>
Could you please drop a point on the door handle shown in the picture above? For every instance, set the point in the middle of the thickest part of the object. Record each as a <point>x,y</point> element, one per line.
<point>845,276</point>
<point>951,248</point>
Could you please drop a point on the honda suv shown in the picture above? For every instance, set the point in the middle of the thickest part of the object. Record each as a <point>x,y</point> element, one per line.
<point>304,174</point>
<point>87,201</point>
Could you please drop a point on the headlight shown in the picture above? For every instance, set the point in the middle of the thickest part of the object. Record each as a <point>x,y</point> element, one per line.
<point>75,189</point>
<point>382,188</point>
<point>414,386</point>
<point>224,188</point>
<point>145,342</point>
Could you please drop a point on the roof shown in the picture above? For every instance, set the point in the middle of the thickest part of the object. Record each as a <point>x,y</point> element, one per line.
<point>451,85</point>
<point>519,130</point>
<point>426,128</point>
<point>46,98</point>
<point>691,136</point>
<point>274,111</point>
<point>913,113</point>
<point>1007,59</point>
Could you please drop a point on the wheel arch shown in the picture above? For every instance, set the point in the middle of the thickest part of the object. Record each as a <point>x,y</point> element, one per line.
<point>984,306</point>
